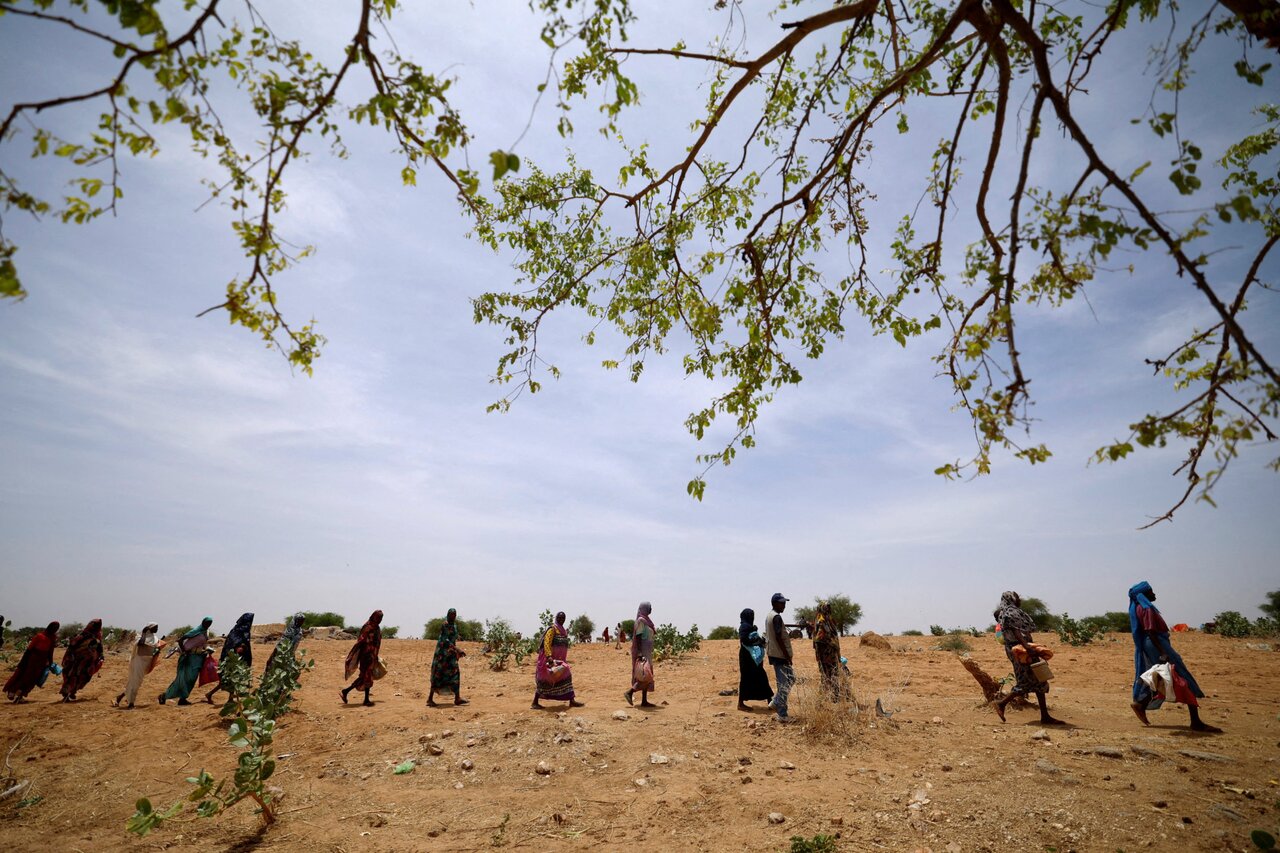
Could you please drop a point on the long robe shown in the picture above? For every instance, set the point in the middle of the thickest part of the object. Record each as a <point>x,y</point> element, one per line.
<point>192,648</point>
<point>753,681</point>
<point>35,660</point>
<point>553,677</point>
<point>144,655</point>
<point>1017,627</point>
<point>445,673</point>
<point>364,654</point>
<point>1151,646</point>
<point>642,636</point>
<point>826,648</point>
<point>83,659</point>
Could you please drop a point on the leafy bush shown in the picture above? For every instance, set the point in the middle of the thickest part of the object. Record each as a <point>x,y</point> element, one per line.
<point>311,619</point>
<point>670,644</point>
<point>68,632</point>
<point>254,712</point>
<point>501,644</point>
<point>530,646</point>
<point>389,632</point>
<point>1231,623</point>
<point>818,844</point>
<point>1111,622</point>
<point>628,626</point>
<point>937,630</point>
<point>1266,627</point>
<point>954,642</point>
<point>582,628</point>
<point>913,633</point>
<point>1039,613</point>
<point>844,612</point>
<point>470,630</point>
<point>723,632</point>
<point>1075,633</point>
<point>1271,607</point>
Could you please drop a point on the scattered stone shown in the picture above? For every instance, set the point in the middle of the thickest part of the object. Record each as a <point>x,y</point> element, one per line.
<point>777,817</point>
<point>1104,751</point>
<point>1143,751</point>
<point>621,715</point>
<point>467,764</point>
<point>435,749</point>
<point>936,721</point>
<point>875,641</point>
<point>747,780</point>
<point>458,786</point>
<point>1259,647</point>
<point>837,821</point>
<point>640,783</point>
<point>744,760</point>
<point>1223,811</point>
<point>946,768</point>
<point>786,765</point>
<point>543,769</point>
<point>375,820</point>
<point>1206,756</point>
<point>447,733</point>
<point>656,758</point>
<point>1047,767</point>
<point>471,741</point>
<point>1161,804</point>
<point>1040,734</point>
<point>427,738</point>
<point>732,691</point>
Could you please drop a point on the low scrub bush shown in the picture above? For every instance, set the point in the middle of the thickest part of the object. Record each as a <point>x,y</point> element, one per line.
<point>723,632</point>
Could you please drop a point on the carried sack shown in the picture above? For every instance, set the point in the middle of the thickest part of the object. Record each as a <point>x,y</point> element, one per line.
<point>557,672</point>
<point>757,654</point>
<point>209,671</point>
<point>378,670</point>
<point>155,655</point>
<point>642,674</point>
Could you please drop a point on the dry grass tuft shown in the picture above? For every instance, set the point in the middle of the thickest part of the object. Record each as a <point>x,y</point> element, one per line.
<point>821,719</point>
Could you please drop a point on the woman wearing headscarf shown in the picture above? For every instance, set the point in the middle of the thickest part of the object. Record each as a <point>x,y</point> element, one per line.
<point>289,640</point>
<point>826,647</point>
<point>35,660</point>
<point>552,677</point>
<point>192,648</point>
<point>239,641</point>
<point>143,660</point>
<point>82,660</point>
<point>753,681</point>
<point>363,657</point>
<point>642,657</point>
<point>446,675</point>
<point>1018,627</point>
<point>1151,646</point>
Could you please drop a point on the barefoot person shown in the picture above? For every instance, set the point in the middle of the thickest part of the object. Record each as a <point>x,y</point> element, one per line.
<point>238,642</point>
<point>1018,627</point>
<point>82,660</point>
<point>552,677</point>
<point>192,649</point>
<point>642,657</point>
<point>753,681</point>
<point>446,674</point>
<point>37,657</point>
<point>1151,646</point>
<point>363,657</point>
<point>145,653</point>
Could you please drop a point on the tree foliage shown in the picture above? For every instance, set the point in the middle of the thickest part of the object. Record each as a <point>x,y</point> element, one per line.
<point>1271,607</point>
<point>501,644</point>
<point>582,629</point>
<point>470,630</point>
<point>723,632</point>
<point>729,251</point>
<point>325,619</point>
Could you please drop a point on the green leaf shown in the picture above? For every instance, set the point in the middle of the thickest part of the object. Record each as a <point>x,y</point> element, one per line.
<point>10,287</point>
<point>406,767</point>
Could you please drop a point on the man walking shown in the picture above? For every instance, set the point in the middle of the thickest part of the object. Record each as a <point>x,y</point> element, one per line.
<point>778,648</point>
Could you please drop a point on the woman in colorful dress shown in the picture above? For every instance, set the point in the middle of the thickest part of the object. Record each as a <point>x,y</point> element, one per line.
<point>553,678</point>
<point>826,648</point>
<point>142,662</point>
<point>363,657</point>
<point>239,641</point>
<point>1017,627</point>
<point>82,660</point>
<point>1151,646</point>
<point>446,675</point>
<point>192,648</point>
<point>642,657</point>
<point>35,660</point>
<point>753,681</point>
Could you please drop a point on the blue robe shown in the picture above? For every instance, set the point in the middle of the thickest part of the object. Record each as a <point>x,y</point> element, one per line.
<point>1151,645</point>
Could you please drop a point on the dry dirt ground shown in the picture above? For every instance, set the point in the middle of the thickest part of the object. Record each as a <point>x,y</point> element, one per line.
<point>943,774</point>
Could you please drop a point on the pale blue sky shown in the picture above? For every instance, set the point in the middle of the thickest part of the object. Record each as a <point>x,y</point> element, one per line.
<point>158,467</point>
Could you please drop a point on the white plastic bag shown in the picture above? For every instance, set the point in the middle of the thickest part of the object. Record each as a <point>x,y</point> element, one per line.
<point>1160,679</point>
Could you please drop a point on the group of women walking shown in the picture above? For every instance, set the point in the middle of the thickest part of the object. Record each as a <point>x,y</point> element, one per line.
<point>1160,674</point>
<point>85,655</point>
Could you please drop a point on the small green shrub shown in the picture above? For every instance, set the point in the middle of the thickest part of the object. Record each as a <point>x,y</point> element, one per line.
<point>501,644</point>
<point>913,633</point>
<point>954,642</point>
<point>937,630</point>
<point>582,629</point>
<point>723,632</point>
<point>670,644</point>
<point>818,844</point>
<point>1075,633</point>
<point>1230,623</point>
<point>389,632</point>
<point>469,630</point>
<point>312,619</point>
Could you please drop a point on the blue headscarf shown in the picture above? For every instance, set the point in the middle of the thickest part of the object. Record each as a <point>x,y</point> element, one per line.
<point>1140,594</point>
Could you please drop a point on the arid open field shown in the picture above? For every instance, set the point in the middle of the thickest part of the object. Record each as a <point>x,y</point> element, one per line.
<point>943,774</point>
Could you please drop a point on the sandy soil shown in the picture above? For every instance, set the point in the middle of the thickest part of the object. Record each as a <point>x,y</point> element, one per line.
<point>944,774</point>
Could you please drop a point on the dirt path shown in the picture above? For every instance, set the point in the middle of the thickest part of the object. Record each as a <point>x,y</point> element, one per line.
<point>944,774</point>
